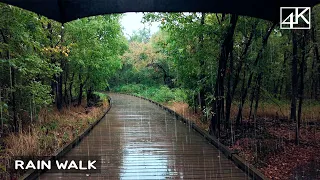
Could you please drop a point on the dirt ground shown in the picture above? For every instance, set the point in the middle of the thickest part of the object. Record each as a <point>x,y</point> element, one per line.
<point>270,144</point>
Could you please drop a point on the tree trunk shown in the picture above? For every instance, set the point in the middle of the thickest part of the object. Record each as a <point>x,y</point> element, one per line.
<point>242,58</point>
<point>282,75</point>
<point>244,93</point>
<point>317,61</point>
<point>15,127</point>
<point>229,85</point>
<point>316,78</point>
<point>202,64</point>
<point>301,88</point>
<point>59,95</point>
<point>70,88</point>
<point>80,94</point>
<point>217,106</point>
<point>259,56</point>
<point>66,98</point>
<point>90,97</point>
<point>13,100</point>
<point>294,76</point>
<point>80,89</point>
<point>257,95</point>
<point>251,101</point>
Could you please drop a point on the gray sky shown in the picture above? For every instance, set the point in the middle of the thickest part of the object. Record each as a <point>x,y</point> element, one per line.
<point>132,21</point>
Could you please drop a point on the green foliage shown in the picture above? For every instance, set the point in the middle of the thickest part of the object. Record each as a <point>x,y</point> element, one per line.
<point>131,88</point>
<point>40,94</point>
<point>164,94</point>
<point>138,65</point>
<point>179,41</point>
<point>156,93</point>
<point>141,36</point>
<point>43,62</point>
<point>103,96</point>
<point>97,45</point>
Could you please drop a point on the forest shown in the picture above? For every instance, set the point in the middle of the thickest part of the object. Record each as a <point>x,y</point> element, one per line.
<point>252,85</point>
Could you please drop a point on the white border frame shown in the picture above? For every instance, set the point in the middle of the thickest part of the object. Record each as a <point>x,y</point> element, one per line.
<point>281,24</point>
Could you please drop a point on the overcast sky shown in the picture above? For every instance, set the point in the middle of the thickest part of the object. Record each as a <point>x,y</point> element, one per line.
<point>132,21</point>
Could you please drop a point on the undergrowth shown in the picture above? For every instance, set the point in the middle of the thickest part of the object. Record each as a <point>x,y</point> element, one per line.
<point>52,131</point>
<point>157,93</point>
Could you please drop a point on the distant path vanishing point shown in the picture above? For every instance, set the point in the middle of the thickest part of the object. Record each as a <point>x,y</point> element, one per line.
<point>139,140</point>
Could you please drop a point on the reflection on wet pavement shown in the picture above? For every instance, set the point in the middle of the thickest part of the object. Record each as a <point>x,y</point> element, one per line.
<point>139,140</point>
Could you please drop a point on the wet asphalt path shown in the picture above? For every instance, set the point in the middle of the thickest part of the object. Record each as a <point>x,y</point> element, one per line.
<point>139,140</point>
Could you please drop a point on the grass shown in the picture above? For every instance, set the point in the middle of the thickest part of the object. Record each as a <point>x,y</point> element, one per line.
<point>52,131</point>
<point>102,96</point>
<point>160,94</point>
<point>270,109</point>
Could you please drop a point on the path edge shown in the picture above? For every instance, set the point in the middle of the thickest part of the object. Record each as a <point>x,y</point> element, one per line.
<point>34,174</point>
<point>249,169</point>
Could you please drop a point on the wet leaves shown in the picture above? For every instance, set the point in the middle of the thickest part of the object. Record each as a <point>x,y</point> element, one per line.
<point>284,165</point>
<point>276,155</point>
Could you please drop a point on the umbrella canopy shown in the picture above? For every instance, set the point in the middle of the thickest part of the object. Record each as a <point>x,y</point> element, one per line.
<point>68,10</point>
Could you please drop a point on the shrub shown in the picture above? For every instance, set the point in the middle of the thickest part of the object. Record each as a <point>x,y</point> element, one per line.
<point>130,88</point>
<point>157,93</point>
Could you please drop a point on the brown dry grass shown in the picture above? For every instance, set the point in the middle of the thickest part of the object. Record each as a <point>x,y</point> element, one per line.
<point>184,110</point>
<point>52,131</point>
<point>274,111</point>
<point>310,113</point>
